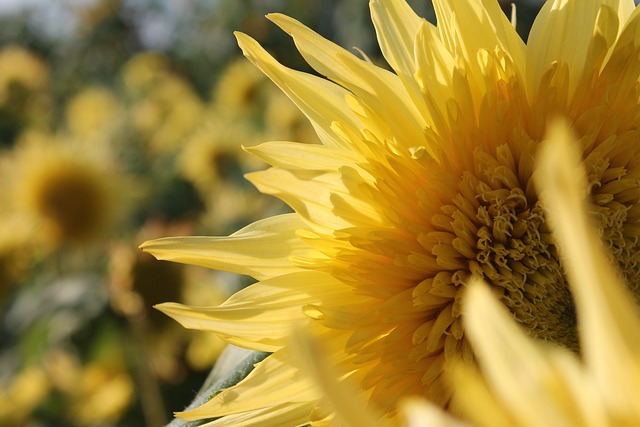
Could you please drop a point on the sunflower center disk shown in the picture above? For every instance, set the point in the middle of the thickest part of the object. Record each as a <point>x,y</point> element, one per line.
<point>493,227</point>
<point>482,218</point>
<point>72,199</point>
<point>514,252</point>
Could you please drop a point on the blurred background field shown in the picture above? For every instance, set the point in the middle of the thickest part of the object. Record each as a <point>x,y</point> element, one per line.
<point>122,121</point>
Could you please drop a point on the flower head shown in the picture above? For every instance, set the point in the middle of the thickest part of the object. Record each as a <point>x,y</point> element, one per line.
<point>24,97</point>
<point>165,107</point>
<point>212,154</point>
<point>21,70</point>
<point>423,180</point>
<point>239,89</point>
<point>144,71</point>
<point>60,192</point>
<point>93,111</point>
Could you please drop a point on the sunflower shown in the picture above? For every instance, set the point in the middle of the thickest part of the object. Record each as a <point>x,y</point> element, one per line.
<point>144,71</point>
<point>239,90</point>
<point>62,192</point>
<point>423,180</point>
<point>167,114</point>
<point>24,97</point>
<point>20,70</point>
<point>165,108</point>
<point>22,394</point>
<point>212,154</point>
<point>92,112</point>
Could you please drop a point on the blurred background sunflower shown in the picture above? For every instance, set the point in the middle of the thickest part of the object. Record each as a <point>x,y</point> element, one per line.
<point>123,121</point>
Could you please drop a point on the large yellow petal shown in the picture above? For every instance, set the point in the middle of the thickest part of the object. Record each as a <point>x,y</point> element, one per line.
<point>396,27</point>
<point>469,26</point>
<point>260,250</point>
<point>622,66</point>
<point>286,414</point>
<point>259,316</point>
<point>343,398</point>
<point>273,382</point>
<point>303,89</point>
<point>293,155</point>
<point>380,90</point>
<point>606,311</point>
<point>562,33</point>
<point>421,413</point>
<point>625,9</point>
<point>434,75</point>
<point>521,371</point>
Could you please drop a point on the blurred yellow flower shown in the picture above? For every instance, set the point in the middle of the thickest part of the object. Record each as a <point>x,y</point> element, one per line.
<point>96,393</point>
<point>101,395</point>
<point>93,112</point>
<point>231,204</point>
<point>19,67</point>
<point>167,115</point>
<point>24,100</point>
<point>165,108</point>
<point>60,191</point>
<point>213,154</point>
<point>240,90</point>
<point>142,72</point>
<point>26,390</point>
<point>422,181</point>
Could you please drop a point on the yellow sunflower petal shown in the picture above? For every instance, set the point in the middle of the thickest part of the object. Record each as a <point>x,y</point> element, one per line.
<point>622,65</point>
<point>558,35</point>
<point>293,415</point>
<point>606,313</point>
<point>475,398</point>
<point>521,371</point>
<point>343,398</point>
<point>421,413</point>
<point>396,26</point>
<point>434,74</point>
<point>625,9</point>
<point>259,316</point>
<point>470,26</point>
<point>302,88</point>
<point>293,155</point>
<point>273,382</point>
<point>260,250</point>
